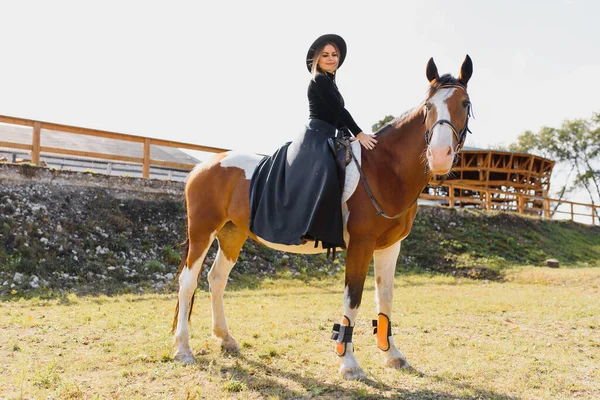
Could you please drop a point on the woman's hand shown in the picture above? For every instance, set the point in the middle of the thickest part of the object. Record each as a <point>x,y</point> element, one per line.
<point>367,141</point>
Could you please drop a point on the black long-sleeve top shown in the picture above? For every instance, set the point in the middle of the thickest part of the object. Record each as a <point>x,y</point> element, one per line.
<point>326,103</point>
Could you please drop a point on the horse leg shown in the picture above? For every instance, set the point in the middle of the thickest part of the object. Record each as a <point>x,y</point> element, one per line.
<point>231,239</point>
<point>385,267</point>
<point>358,259</point>
<point>199,244</point>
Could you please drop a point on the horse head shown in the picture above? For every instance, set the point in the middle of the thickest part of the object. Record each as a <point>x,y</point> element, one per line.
<point>446,116</point>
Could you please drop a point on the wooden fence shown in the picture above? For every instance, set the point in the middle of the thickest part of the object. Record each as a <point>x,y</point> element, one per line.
<point>493,199</point>
<point>455,195</point>
<point>36,148</point>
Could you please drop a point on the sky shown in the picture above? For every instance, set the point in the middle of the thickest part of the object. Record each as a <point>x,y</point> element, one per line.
<point>232,74</point>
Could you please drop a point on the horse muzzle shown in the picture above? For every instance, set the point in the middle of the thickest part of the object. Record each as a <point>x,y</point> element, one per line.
<point>440,159</point>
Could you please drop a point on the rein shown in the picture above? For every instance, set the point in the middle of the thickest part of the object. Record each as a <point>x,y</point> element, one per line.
<point>368,189</point>
<point>460,136</point>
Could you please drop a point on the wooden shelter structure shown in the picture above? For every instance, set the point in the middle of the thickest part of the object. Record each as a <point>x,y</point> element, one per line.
<point>497,180</point>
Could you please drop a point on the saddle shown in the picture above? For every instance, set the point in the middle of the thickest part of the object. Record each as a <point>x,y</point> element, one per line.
<point>340,146</point>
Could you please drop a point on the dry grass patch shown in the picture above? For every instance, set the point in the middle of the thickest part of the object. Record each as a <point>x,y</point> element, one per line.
<point>534,336</point>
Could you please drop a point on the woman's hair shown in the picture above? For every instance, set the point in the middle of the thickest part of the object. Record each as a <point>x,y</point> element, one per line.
<point>314,70</point>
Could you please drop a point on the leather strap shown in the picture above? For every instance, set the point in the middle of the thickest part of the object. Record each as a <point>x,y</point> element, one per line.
<point>342,334</point>
<point>370,194</point>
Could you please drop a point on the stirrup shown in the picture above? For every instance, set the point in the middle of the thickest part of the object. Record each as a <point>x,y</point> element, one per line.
<point>342,334</point>
<point>383,334</point>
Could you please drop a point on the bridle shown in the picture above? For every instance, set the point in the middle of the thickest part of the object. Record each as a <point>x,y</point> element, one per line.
<point>460,136</point>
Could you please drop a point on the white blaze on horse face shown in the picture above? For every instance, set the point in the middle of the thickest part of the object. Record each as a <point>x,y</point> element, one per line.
<point>442,135</point>
<point>440,153</point>
<point>244,161</point>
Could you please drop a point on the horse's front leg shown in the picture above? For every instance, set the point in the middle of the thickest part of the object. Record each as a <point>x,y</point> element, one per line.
<point>358,258</point>
<point>385,267</point>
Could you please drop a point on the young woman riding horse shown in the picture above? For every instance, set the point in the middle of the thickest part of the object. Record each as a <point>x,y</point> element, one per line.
<point>410,150</point>
<point>295,195</point>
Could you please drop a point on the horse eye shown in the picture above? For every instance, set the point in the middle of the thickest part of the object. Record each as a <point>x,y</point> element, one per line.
<point>427,106</point>
<point>466,103</point>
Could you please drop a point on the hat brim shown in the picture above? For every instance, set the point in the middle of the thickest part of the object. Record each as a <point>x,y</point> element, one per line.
<point>337,39</point>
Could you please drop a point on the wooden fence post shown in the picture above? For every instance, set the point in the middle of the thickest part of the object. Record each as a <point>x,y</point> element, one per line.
<point>451,194</point>
<point>146,165</point>
<point>573,215</point>
<point>546,208</point>
<point>36,143</point>
<point>488,201</point>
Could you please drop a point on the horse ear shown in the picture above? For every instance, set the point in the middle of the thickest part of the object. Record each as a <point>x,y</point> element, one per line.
<point>432,72</point>
<point>466,70</point>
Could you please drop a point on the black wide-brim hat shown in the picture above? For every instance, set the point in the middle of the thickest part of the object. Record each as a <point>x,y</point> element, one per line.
<point>329,38</point>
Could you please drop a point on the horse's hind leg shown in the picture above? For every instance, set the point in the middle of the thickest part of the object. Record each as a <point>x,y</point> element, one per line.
<point>199,243</point>
<point>385,266</point>
<point>231,239</point>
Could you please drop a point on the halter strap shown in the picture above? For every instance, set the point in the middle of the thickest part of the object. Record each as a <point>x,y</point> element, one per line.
<point>460,136</point>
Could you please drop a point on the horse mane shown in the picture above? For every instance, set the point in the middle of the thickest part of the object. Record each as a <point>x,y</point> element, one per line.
<point>442,81</point>
<point>393,124</point>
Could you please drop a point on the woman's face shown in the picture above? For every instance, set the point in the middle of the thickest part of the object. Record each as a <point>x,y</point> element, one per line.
<point>329,59</point>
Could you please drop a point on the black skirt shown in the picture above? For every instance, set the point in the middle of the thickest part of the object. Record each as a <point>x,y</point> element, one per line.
<point>295,195</point>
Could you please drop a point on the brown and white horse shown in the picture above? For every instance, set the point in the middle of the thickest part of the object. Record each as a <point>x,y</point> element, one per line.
<point>410,151</point>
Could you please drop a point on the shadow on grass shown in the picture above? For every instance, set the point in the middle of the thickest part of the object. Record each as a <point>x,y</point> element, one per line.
<point>257,377</point>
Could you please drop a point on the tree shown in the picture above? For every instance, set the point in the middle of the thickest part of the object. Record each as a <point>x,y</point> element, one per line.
<point>381,123</point>
<point>575,145</point>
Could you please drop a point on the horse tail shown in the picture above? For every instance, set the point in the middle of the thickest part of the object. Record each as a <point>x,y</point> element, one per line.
<point>184,255</point>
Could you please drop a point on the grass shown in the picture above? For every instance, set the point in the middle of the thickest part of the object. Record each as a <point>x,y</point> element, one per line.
<point>483,244</point>
<point>534,336</point>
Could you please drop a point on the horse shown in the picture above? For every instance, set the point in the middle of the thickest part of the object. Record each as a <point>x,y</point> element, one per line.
<point>412,149</point>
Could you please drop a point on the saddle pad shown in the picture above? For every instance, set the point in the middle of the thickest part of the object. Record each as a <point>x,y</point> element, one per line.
<point>352,174</point>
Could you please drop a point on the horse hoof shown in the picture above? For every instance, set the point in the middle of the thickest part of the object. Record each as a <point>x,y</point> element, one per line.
<point>397,363</point>
<point>186,358</point>
<point>230,345</point>
<point>353,374</point>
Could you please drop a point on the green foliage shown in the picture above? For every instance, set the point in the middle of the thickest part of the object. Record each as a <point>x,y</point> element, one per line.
<point>234,386</point>
<point>479,244</point>
<point>170,255</point>
<point>154,266</point>
<point>527,142</point>
<point>109,245</point>
<point>381,123</point>
<point>575,145</point>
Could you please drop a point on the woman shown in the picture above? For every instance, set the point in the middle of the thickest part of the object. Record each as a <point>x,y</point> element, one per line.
<point>324,99</point>
<point>294,194</point>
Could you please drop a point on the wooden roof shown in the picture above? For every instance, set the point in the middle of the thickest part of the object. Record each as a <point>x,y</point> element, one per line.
<point>504,170</point>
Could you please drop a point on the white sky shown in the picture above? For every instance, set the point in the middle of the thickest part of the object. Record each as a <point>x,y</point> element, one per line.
<point>231,73</point>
